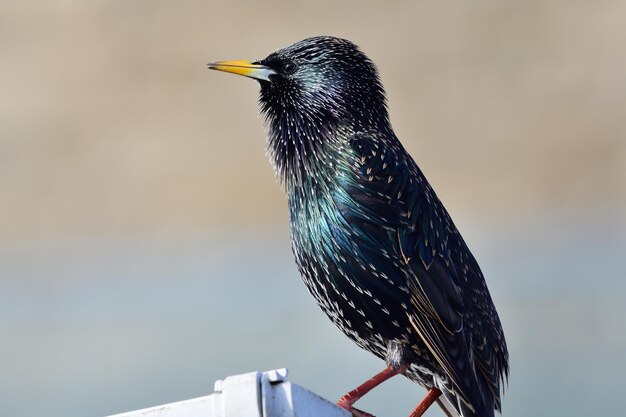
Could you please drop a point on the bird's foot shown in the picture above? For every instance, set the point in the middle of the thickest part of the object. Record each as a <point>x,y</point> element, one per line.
<point>353,396</point>
<point>347,405</point>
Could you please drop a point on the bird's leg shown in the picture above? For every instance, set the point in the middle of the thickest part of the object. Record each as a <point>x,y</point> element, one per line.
<point>356,394</point>
<point>429,399</point>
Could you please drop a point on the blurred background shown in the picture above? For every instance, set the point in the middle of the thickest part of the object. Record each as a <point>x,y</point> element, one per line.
<point>144,248</point>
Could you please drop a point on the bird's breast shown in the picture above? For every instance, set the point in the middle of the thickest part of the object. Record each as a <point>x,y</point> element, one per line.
<point>351,272</point>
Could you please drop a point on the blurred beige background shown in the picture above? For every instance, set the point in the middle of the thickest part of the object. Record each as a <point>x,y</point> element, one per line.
<point>111,123</point>
<point>128,171</point>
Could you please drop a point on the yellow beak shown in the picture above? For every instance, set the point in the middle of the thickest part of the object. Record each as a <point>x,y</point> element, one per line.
<point>245,68</point>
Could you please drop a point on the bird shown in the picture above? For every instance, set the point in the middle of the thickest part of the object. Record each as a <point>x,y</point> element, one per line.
<point>372,241</point>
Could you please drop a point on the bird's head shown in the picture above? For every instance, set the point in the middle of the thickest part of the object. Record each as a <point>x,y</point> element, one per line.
<point>322,78</point>
<point>315,94</point>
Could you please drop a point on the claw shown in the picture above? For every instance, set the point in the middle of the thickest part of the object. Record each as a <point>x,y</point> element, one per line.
<point>353,396</point>
<point>354,411</point>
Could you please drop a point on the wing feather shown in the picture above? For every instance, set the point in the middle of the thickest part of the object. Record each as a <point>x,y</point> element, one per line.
<point>441,273</point>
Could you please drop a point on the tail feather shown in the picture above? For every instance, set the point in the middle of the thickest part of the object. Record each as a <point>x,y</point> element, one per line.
<point>453,407</point>
<point>447,408</point>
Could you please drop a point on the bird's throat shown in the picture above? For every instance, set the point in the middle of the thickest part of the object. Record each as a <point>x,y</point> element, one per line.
<point>302,147</point>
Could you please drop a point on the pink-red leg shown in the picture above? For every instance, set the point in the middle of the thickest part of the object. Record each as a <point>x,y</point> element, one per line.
<point>353,396</point>
<point>428,400</point>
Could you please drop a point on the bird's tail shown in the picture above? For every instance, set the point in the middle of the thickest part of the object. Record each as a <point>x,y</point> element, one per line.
<point>447,408</point>
<point>453,407</point>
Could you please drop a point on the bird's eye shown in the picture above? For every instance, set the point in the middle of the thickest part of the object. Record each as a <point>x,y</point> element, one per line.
<point>289,68</point>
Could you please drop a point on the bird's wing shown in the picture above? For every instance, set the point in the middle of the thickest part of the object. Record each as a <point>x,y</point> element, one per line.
<point>390,189</point>
<point>392,192</point>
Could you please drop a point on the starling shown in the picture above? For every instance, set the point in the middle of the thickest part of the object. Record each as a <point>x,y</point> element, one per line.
<point>371,239</point>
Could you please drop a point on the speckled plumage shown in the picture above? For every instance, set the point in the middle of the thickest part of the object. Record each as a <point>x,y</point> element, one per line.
<point>373,243</point>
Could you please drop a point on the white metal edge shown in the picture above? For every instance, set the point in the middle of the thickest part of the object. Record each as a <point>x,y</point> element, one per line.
<point>255,394</point>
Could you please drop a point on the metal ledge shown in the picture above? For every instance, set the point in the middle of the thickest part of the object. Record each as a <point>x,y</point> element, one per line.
<point>256,394</point>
